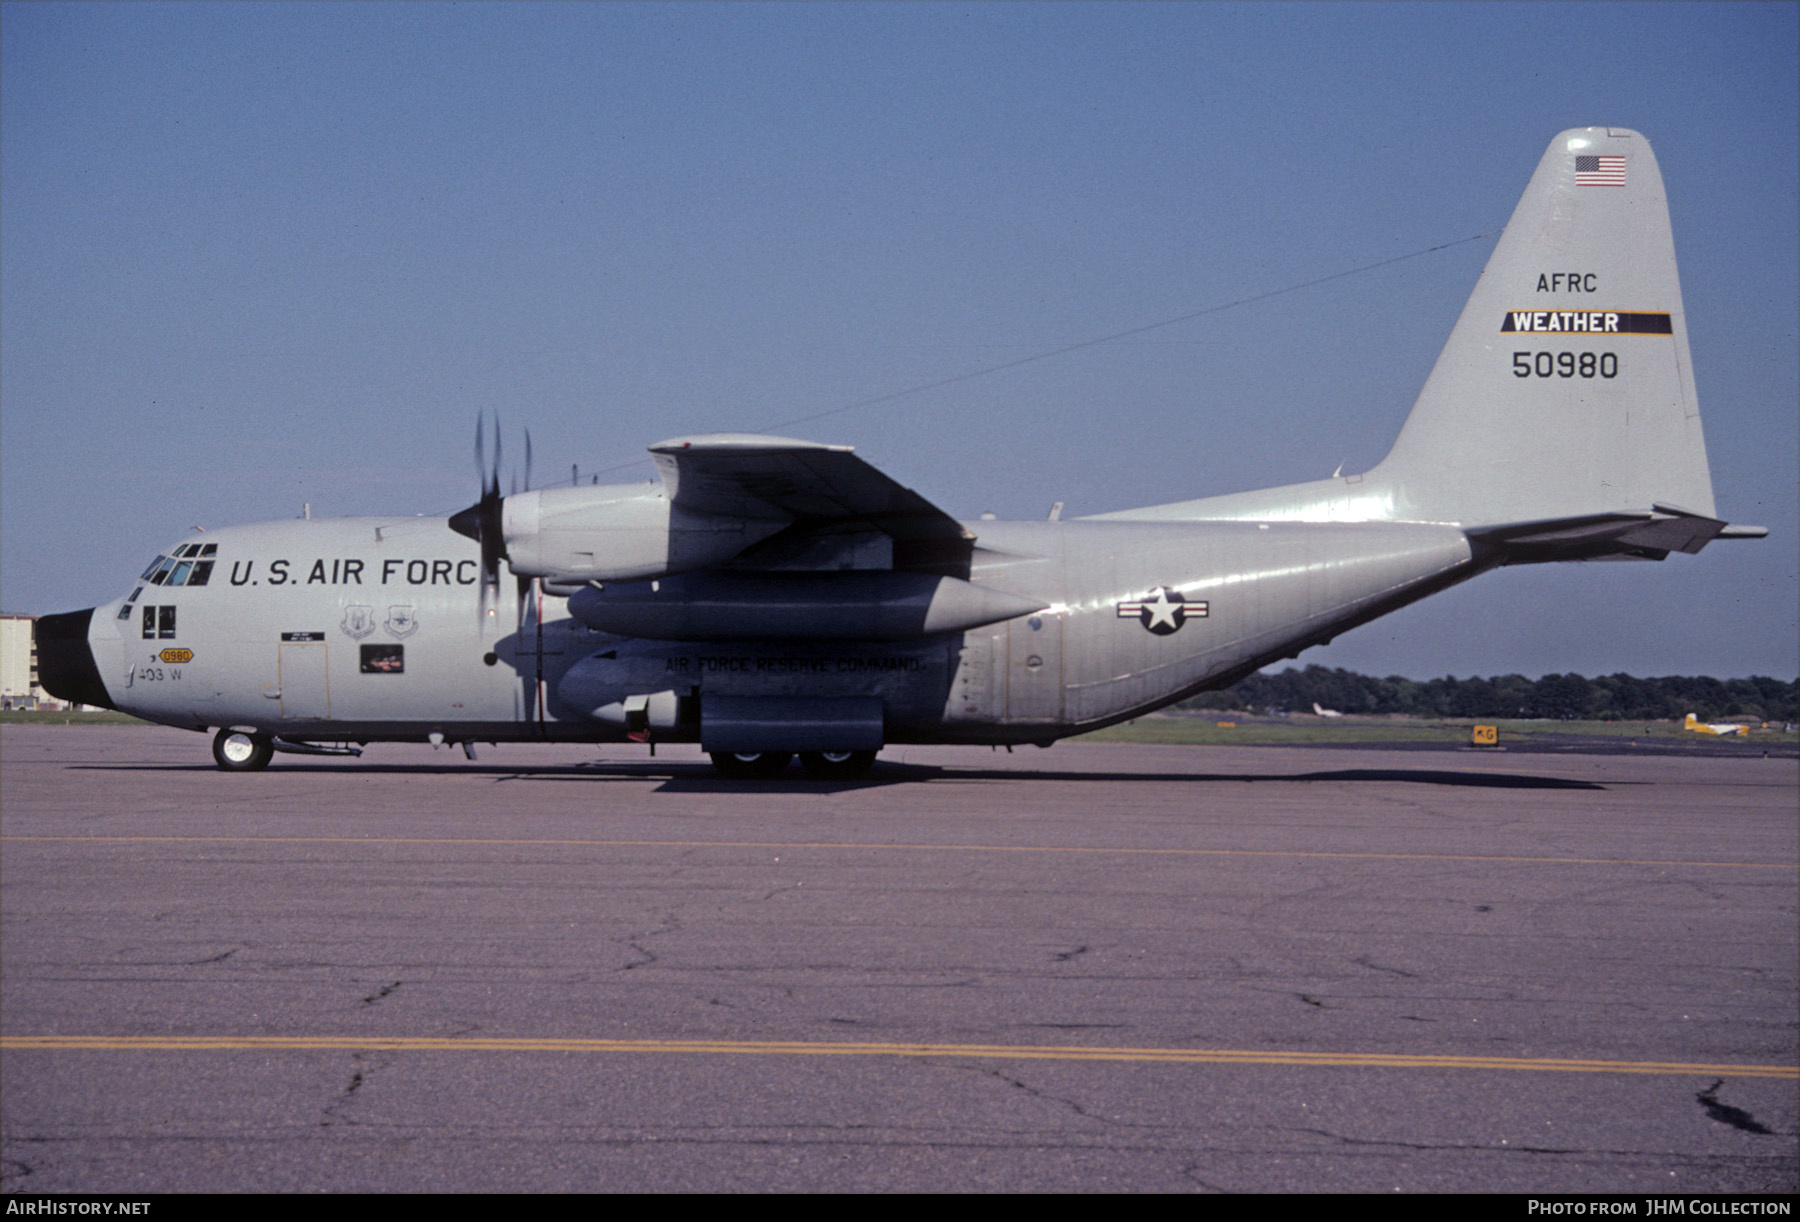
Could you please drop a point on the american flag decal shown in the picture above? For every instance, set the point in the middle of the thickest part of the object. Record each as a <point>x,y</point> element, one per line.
<point>1599,171</point>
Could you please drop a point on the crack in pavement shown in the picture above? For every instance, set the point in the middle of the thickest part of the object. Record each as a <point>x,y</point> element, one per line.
<point>1724,1113</point>
<point>333,1111</point>
<point>1035,1093</point>
<point>1191,1173</point>
<point>1504,1147</point>
<point>669,925</point>
<point>380,993</point>
<point>1368,962</point>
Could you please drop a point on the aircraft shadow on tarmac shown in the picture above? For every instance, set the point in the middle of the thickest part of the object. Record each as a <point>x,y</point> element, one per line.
<point>698,776</point>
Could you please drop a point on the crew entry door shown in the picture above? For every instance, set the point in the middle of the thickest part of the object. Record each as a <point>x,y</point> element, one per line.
<point>305,683</point>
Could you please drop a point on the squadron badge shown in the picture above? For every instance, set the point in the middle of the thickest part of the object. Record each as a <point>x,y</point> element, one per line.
<point>358,621</point>
<point>1164,612</point>
<point>401,622</point>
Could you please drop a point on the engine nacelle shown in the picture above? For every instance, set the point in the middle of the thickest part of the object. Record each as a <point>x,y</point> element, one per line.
<point>618,532</point>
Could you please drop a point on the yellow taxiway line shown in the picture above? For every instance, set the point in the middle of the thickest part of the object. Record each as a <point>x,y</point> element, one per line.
<point>1009,1052</point>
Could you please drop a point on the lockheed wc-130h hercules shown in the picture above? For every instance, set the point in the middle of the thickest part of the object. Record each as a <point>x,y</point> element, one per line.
<point>769,597</point>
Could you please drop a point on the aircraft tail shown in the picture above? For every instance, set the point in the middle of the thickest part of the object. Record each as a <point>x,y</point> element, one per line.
<point>1560,421</point>
<point>1566,388</point>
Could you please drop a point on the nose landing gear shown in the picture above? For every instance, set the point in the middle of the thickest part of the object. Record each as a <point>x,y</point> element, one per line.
<point>242,751</point>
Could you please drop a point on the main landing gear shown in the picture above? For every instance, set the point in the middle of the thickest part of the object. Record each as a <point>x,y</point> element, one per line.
<point>836,765</point>
<point>750,765</point>
<point>766,765</point>
<point>241,751</point>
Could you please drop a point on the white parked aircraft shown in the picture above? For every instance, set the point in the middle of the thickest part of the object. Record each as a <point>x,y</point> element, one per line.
<point>1722,728</point>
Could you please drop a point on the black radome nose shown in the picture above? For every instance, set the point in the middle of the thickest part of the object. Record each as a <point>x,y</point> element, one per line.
<point>65,663</point>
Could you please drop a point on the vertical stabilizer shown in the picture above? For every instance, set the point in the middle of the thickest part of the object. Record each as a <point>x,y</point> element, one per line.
<point>1566,388</point>
<point>1564,399</point>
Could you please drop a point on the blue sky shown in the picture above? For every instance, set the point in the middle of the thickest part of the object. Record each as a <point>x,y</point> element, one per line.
<point>253,256</point>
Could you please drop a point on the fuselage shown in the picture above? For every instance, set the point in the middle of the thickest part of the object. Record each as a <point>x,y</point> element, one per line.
<point>767,596</point>
<point>370,629</point>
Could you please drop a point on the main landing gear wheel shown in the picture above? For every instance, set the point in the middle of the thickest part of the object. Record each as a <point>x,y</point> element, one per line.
<point>240,751</point>
<point>836,765</point>
<point>751,765</point>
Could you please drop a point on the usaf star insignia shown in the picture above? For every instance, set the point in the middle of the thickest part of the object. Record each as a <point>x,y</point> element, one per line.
<point>1165,611</point>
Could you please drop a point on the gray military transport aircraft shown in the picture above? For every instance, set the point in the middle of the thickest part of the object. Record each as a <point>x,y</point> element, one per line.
<point>768,597</point>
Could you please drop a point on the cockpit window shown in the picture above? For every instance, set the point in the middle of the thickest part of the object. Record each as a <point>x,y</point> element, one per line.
<point>170,571</point>
<point>159,623</point>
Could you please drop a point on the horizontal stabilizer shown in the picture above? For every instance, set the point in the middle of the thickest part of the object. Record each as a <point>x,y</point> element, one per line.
<point>1650,535</point>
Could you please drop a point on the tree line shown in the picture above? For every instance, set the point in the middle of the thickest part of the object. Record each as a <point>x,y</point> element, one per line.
<point>1557,697</point>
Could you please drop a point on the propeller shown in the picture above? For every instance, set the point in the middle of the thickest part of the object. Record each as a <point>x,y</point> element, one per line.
<point>482,520</point>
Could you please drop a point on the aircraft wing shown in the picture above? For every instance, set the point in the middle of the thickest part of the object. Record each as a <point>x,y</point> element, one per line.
<point>818,488</point>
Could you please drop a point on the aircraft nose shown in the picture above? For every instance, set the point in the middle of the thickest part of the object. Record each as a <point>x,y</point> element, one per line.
<point>65,662</point>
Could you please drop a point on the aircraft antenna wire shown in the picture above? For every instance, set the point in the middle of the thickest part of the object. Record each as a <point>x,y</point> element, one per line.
<point>1065,349</point>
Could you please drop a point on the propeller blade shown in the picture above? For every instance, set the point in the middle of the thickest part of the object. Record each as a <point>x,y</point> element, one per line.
<point>498,461</point>
<point>482,521</point>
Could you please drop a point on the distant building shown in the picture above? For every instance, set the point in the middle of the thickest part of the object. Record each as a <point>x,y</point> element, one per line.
<point>18,663</point>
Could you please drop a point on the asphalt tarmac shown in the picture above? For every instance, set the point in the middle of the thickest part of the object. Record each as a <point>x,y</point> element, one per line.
<point>1098,967</point>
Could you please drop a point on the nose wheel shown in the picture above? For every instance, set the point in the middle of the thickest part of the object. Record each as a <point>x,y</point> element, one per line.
<point>241,751</point>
